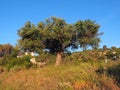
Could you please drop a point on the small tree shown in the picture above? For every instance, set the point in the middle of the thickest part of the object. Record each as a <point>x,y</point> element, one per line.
<point>105,47</point>
<point>5,49</point>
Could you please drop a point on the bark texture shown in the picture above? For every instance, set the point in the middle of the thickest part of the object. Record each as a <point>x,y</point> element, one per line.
<point>58,58</point>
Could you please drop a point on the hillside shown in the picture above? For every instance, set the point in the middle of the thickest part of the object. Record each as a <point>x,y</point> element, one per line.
<point>77,74</point>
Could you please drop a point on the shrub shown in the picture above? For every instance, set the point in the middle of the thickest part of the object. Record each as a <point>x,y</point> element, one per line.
<point>42,58</point>
<point>11,62</point>
<point>4,61</point>
<point>114,72</point>
<point>46,57</point>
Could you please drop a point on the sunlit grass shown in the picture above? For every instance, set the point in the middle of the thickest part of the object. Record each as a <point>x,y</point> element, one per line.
<point>81,76</point>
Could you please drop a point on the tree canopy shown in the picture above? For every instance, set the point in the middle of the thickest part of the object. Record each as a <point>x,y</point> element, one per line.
<point>55,35</point>
<point>87,33</point>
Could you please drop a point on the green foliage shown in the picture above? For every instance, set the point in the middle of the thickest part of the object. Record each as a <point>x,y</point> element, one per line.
<point>56,35</point>
<point>113,53</point>
<point>110,55</point>
<point>5,49</point>
<point>118,52</point>
<point>15,51</point>
<point>71,76</point>
<point>42,58</point>
<point>46,57</point>
<point>114,72</point>
<point>105,47</point>
<point>10,62</point>
<point>87,33</point>
<point>30,37</point>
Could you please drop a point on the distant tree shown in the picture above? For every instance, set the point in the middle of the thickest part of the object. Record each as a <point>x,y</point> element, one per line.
<point>113,48</point>
<point>105,47</point>
<point>5,49</point>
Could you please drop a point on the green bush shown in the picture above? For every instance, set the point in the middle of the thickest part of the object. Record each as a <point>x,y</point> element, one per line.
<point>113,56</point>
<point>11,62</point>
<point>42,58</point>
<point>46,57</point>
<point>114,72</point>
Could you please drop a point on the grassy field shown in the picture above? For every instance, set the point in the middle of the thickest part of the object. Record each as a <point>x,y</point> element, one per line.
<point>67,76</point>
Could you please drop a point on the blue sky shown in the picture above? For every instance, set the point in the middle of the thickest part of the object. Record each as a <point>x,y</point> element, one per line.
<point>14,14</point>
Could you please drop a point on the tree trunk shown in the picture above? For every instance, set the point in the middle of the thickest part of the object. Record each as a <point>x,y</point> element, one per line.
<point>58,58</point>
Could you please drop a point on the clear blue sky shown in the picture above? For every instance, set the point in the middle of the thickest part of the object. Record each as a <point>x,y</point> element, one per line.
<point>14,14</point>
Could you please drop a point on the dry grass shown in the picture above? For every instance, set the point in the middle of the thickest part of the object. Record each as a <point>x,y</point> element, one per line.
<point>64,77</point>
<point>33,79</point>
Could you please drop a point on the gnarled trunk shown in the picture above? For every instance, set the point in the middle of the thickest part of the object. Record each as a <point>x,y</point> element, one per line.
<point>58,58</point>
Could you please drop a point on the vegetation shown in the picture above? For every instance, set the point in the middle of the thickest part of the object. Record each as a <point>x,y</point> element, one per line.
<point>114,72</point>
<point>72,75</point>
<point>12,63</point>
<point>77,71</point>
<point>5,49</point>
<point>56,36</point>
<point>94,69</point>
